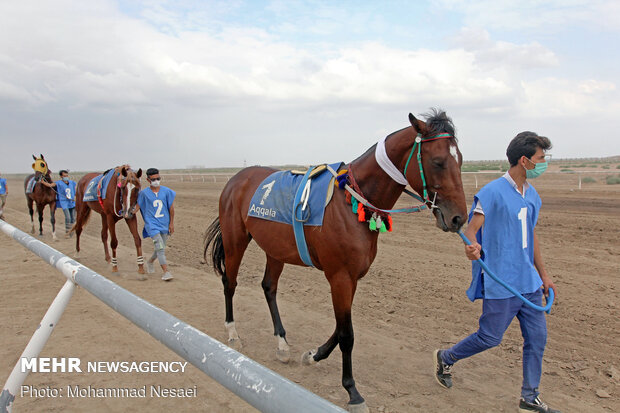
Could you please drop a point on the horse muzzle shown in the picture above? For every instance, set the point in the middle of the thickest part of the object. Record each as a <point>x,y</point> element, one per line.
<point>448,221</point>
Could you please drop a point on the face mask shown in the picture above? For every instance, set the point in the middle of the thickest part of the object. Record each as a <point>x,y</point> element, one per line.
<point>539,168</point>
<point>65,178</point>
<point>155,183</point>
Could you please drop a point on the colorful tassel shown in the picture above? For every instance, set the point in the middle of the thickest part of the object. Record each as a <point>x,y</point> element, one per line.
<point>361,216</point>
<point>383,228</point>
<point>372,224</point>
<point>390,223</point>
<point>347,196</point>
<point>354,205</point>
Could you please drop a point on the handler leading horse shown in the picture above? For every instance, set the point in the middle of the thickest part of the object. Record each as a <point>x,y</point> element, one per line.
<point>122,192</point>
<point>40,194</point>
<point>434,172</point>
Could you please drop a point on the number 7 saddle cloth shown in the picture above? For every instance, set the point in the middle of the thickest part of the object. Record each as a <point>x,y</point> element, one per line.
<point>275,196</point>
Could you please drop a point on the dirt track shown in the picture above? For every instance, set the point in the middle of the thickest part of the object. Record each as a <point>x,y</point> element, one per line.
<point>411,302</point>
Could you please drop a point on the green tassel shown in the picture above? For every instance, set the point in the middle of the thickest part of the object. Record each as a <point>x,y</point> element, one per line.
<point>373,224</point>
<point>354,205</point>
<point>383,228</point>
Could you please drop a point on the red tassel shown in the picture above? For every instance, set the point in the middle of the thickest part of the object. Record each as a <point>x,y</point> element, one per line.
<point>361,216</point>
<point>390,222</point>
<point>348,197</point>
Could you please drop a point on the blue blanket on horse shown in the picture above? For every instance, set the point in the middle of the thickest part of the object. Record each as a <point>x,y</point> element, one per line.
<point>97,187</point>
<point>30,185</point>
<point>273,199</point>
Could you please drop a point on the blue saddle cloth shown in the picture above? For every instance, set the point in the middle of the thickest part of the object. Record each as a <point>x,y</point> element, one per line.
<point>91,189</point>
<point>30,185</point>
<point>274,197</point>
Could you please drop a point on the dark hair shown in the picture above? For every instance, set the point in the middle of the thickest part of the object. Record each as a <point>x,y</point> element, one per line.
<point>152,171</point>
<point>63,171</point>
<point>526,144</point>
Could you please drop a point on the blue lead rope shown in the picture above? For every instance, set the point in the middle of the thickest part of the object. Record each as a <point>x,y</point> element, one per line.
<point>527,302</point>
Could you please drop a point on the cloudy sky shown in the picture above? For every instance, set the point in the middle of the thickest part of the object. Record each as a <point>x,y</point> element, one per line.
<point>92,84</point>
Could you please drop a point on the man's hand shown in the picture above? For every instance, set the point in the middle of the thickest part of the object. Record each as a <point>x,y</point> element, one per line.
<point>171,228</point>
<point>473,251</point>
<point>548,283</point>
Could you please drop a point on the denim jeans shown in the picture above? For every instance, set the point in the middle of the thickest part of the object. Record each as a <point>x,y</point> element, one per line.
<point>497,314</point>
<point>69,218</point>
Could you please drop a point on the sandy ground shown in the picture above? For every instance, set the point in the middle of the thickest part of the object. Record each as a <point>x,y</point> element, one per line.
<point>411,302</point>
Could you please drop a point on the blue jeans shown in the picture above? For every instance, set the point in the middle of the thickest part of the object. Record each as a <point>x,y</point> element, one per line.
<point>69,218</point>
<point>496,316</point>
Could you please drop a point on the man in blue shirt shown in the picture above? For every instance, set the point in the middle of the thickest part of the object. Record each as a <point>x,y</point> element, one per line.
<point>156,203</point>
<point>65,198</point>
<point>4,191</point>
<point>501,228</point>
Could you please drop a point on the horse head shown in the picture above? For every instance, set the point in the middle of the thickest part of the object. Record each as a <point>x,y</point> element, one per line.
<point>130,187</point>
<point>435,170</point>
<point>40,166</point>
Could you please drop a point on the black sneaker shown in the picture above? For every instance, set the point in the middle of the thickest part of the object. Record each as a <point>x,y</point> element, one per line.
<point>536,406</point>
<point>442,370</point>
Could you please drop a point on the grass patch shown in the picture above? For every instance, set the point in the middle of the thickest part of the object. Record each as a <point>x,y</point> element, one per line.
<point>613,180</point>
<point>588,180</point>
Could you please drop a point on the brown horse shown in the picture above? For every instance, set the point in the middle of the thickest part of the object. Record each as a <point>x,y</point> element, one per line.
<point>41,195</point>
<point>231,233</point>
<point>120,202</point>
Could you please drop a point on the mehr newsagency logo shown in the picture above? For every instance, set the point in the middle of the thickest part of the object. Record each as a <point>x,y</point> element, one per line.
<point>75,365</point>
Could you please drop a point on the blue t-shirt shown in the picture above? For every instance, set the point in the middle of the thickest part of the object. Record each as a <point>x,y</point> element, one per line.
<point>2,186</point>
<point>155,209</point>
<point>65,196</point>
<point>507,240</point>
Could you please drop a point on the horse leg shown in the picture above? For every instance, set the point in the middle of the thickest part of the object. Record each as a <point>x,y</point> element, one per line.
<point>29,202</point>
<point>53,220</point>
<point>273,269</point>
<point>104,237</point>
<point>343,291</point>
<point>113,242</point>
<point>235,244</point>
<point>133,228</point>
<point>40,212</point>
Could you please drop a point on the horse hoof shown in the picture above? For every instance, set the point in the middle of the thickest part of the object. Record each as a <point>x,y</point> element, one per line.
<point>76,255</point>
<point>358,408</point>
<point>141,271</point>
<point>235,344</point>
<point>141,277</point>
<point>115,269</point>
<point>283,355</point>
<point>307,359</point>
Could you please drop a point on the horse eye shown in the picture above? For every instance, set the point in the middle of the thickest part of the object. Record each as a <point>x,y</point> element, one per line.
<point>42,165</point>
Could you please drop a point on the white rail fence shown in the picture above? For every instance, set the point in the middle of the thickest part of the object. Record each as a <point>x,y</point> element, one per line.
<point>477,179</point>
<point>254,383</point>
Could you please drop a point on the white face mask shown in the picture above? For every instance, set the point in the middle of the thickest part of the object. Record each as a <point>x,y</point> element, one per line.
<point>155,183</point>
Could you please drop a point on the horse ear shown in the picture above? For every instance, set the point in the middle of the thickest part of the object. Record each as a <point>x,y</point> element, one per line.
<point>124,171</point>
<point>42,157</point>
<point>414,122</point>
<point>34,157</point>
<point>139,173</point>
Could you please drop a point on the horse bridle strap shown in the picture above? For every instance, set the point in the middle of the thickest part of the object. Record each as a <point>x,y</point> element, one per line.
<point>418,143</point>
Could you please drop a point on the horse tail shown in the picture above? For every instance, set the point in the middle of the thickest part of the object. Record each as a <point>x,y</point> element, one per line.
<point>82,222</point>
<point>213,238</point>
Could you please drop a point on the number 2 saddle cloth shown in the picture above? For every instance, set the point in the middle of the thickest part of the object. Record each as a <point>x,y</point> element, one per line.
<point>97,187</point>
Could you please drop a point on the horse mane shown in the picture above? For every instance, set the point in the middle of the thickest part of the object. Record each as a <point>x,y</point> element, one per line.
<point>438,122</point>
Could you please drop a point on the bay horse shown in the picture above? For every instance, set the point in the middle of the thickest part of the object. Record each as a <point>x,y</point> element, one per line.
<point>41,195</point>
<point>122,191</point>
<point>438,175</point>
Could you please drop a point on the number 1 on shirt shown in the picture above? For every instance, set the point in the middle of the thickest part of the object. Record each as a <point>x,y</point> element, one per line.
<point>523,218</point>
